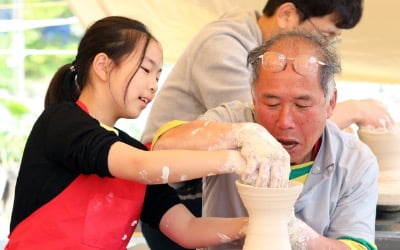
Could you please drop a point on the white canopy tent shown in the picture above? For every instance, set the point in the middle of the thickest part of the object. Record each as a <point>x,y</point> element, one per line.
<point>370,52</point>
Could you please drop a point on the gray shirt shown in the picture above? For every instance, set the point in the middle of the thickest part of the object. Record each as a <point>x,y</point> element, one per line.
<point>339,196</point>
<point>211,70</point>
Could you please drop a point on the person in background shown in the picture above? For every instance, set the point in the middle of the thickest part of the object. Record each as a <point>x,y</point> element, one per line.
<point>213,70</point>
<point>82,182</point>
<point>294,95</point>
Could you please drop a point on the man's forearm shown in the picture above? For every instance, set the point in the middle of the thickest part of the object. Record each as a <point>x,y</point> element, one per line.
<point>202,135</point>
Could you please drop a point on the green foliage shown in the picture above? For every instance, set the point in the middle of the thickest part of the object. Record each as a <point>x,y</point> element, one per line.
<point>5,41</point>
<point>42,38</point>
<point>17,117</point>
<point>46,9</point>
<point>16,109</point>
<point>42,66</point>
<point>12,134</point>
<point>49,64</point>
<point>11,147</point>
<point>5,74</point>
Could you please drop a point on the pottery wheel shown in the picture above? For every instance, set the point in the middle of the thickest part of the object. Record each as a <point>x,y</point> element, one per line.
<point>389,188</point>
<point>388,218</point>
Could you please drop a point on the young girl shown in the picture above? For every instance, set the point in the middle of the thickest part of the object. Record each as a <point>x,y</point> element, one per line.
<point>82,182</point>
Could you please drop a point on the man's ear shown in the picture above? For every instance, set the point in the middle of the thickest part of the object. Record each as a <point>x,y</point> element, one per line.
<point>332,103</point>
<point>287,16</point>
<point>253,98</point>
<point>101,65</point>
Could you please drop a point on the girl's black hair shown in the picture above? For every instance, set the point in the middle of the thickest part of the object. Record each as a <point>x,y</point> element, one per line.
<point>116,36</point>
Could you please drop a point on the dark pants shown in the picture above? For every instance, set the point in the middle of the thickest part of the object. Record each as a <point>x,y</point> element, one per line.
<point>190,194</point>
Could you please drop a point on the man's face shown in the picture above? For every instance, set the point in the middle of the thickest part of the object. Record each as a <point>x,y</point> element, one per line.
<point>325,26</point>
<point>292,106</point>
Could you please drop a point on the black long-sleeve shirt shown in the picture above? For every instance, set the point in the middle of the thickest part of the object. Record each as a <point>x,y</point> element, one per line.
<point>65,142</point>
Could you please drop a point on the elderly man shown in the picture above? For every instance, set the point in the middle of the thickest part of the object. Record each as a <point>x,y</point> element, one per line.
<point>294,95</point>
<point>213,70</point>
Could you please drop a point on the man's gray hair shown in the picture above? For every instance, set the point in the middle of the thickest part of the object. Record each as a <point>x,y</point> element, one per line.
<point>325,50</point>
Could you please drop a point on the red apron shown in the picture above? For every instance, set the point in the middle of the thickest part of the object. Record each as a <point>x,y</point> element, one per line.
<point>91,213</point>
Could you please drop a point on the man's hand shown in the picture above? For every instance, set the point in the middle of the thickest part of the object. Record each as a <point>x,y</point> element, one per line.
<point>267,162</point>
<point>299,233</point>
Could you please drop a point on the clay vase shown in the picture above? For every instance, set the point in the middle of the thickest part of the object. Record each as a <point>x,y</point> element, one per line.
<point>386,147</point>
<point>269,210</point>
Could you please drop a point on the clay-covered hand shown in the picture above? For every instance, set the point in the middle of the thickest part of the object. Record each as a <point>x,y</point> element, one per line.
<point>299,233</point>
<point>267,162</point>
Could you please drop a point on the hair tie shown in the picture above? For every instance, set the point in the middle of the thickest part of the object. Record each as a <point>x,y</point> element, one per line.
<point>71,77</point>
<point>72,68</point>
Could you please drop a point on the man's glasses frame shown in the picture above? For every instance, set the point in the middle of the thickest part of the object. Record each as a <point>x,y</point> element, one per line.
<point>325,34</point>
<point>303,64</point>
